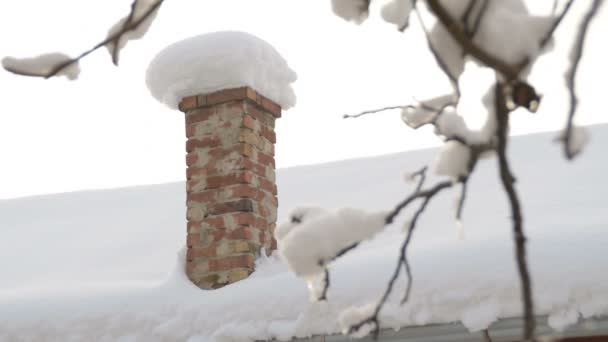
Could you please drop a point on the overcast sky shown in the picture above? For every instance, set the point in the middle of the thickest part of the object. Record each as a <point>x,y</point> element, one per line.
<point>105,130</point>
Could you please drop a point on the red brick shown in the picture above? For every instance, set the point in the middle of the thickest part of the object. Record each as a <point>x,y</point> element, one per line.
<point>241,233</point>
<point>269,134</point>
<point>271,107</point>
<point>217,234</point>
<point>245,191</point>
<point>265,159</point>
<point>268,186</point>
<point>190,131</point>
<point>248,164</point>
<point>216,222</point>
<point>199,115</point>
<point>203,196</point>
<point>208,223</point>
<point>244,261</point>
<point>226,95</point>
<point>243,177</point>
<point>193,238</point>
<point>249,122</point>
<point>200,171</point>
<point>188,103</point>
<point>219,152</point>
<point>206,142</point>
<point>248,219</point>
<point>195,252</point>
<point>191,158</point>
<point>254,111</point>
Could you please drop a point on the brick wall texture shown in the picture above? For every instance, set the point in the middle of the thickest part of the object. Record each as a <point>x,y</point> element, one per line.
<point>231,190</point>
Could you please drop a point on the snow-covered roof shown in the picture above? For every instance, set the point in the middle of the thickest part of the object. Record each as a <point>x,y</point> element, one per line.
<point>105,265</point>
<point>216,61</point>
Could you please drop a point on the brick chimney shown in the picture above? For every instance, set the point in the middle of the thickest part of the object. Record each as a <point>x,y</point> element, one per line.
<point>231,190</point>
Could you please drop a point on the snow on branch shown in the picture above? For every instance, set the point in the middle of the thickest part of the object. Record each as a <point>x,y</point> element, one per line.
<point>134,26</point>
<point>398,12</point>
<point>314,237</point>
<point>43,65</point>
<point>351,10</point>
<point>573,138</point>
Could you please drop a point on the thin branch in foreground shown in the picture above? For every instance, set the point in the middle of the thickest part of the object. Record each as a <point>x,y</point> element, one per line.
<point>486,335</point>
<point>372,111</point>
<point>324,264</point>
<point>556,23</point>
<point>125,26</point>
<point>507,179</point>
<point>323,295</point>
<point>114,37</point>
<point>426,195</point>
<point>479,18</point>
<point>461,200</point>
<point>576,57</point>
<point>467,14</point>
<point>458,33</point>
<point>442,64</point>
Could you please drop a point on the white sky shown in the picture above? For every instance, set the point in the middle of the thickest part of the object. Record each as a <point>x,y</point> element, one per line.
<point>105,130</point>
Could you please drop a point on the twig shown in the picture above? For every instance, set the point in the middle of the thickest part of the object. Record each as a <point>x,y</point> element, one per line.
<point>467,14</point>
<point>324,263</point>
<point>421,174</point>
<point>477,23</point>
<point>426,195</point>
<point>507,179</point>
<point>486,335</point>
<point>420,194</point>
<point>462,198</point>
<point>571,74</point>
<point>323,295</point>
<point>372,111</point>
<point>109,39</point>
<point>556,23</point>
<point>116,41</point>
<point>442,65</point>
<point>458,33</point>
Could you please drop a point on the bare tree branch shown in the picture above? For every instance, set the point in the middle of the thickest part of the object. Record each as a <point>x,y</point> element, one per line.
<point>556,23</point>
<point>130,25</point>
<point>467,14</point>
<point>461,199</point>
<point>323,295</point>
<point>372,111</point>
<point>442,65</point>
<point>576,57</point>
<point>116,41</point>
<point>486,335</point>
<point>459,34</point>
<point>477,23</point>
<point>507,179</point>
<point>426,195</point>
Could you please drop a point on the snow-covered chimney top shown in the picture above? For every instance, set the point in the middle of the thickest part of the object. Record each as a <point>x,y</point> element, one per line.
<point>216,61</point>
